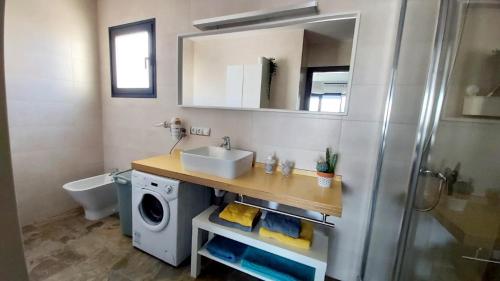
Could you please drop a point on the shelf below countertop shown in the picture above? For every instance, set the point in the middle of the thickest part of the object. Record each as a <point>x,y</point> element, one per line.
<point>318,252</point>
<point>298,190</point>
<point>316,257</point>
<point>236,265</point>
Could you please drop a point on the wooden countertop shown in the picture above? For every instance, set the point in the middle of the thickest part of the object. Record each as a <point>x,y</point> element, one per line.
<point>298,190</point>
<point>478,225</point>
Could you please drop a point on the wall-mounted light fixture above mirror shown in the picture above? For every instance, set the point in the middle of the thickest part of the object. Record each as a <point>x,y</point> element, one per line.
<point>302,65</point>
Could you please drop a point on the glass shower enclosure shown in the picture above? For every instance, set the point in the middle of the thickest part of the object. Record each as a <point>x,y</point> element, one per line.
<point>436,202</point>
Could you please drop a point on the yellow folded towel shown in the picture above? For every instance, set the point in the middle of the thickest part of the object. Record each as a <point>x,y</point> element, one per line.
<point>303,242</point>
<point>240,214</point>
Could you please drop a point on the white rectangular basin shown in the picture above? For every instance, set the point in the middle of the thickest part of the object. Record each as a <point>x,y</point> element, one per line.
<point>217,161</point>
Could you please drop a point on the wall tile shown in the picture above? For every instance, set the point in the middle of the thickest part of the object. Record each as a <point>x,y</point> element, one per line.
<point>366,103</point>
<point>53,98</point>
<point>417,55</point>
<point>359,139</point>
<point>472,146</point>
<point>370,59</point>
<point>294,131</point>
<point>406,103</point>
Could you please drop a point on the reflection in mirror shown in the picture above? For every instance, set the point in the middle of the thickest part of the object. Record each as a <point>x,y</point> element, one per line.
<point>303,66</point>
<point>326,89</point>
<point>474,82</point>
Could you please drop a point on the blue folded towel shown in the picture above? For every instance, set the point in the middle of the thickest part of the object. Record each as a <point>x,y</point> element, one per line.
<point>283,224</point>
<point>275,267</point>
<point>226,249</point>
<point>214,217</point>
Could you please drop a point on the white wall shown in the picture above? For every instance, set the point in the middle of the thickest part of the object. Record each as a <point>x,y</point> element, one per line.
<point>129,134</point>
<point>331,53</point>
<point>53,101</point>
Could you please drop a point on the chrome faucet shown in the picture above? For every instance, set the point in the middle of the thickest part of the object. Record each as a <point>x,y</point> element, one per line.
<point>114,171</point>
<point>227,143</point>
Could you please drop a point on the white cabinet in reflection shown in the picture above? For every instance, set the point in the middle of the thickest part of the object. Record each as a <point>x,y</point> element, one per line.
<point>247,86</point>
<point>234,85</point>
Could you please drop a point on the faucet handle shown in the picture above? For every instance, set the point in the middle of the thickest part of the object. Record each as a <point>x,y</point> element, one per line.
<point>164,124</point>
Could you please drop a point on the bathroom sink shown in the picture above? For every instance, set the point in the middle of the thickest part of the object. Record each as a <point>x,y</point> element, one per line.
<point>217,161</point>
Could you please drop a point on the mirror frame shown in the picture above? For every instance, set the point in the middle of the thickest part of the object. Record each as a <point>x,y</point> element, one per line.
<point>318,18</point>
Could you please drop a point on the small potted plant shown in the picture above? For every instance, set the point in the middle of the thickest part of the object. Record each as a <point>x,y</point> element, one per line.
<point>326,168</point>
<point>273,68</point>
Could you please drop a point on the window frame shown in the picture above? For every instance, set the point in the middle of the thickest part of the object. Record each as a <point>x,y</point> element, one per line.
<point>144,25</point>
<point>320,97</point>
<point>309,77</point>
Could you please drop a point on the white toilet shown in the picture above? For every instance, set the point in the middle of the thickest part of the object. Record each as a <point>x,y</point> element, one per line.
<point>97,195</point>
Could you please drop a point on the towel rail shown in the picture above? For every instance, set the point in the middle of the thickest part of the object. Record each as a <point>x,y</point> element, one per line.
<point>121,179</point>
<point>241,200</point>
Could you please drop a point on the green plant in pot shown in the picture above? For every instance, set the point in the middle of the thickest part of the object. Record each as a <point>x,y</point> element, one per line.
<point>326,168</point>
<point>273,68</point>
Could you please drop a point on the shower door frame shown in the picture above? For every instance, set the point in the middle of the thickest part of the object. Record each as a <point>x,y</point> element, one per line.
<point>430,114</point>
<point>434,96</point>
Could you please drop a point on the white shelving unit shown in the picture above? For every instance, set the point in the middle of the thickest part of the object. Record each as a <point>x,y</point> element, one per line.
<point>237,265</point>
<point>316,257</point>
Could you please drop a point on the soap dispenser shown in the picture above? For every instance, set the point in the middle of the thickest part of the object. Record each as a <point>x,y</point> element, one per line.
<point>270,164</point>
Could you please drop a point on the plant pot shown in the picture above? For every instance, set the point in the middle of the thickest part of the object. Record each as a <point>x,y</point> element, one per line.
<point>456,204</point>
<point>325,179</point>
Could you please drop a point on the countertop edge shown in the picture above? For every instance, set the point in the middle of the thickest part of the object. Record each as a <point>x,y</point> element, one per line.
<point>331,210</point>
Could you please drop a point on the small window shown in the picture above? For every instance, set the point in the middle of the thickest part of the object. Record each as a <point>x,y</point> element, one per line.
<point>326,89</point>
<point>133,60</point>
<point>327,102</point>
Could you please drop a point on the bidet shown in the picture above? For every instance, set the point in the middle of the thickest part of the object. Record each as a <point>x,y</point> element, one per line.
<point>97,195</point>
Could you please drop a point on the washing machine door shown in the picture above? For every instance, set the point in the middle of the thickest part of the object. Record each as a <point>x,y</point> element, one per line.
<point>154,210</point>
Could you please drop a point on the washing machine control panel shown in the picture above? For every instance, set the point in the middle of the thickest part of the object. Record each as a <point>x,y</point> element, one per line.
<point>167,187</point>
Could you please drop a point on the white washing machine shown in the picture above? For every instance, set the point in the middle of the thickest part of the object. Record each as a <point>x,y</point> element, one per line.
<point>162,210</point>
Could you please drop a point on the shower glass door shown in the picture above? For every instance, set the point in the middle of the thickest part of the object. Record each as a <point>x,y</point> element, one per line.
<point>452,229</point>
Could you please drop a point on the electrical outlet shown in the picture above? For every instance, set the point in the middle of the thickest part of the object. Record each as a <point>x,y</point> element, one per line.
<point>206,132</point>
<point>199,131</point>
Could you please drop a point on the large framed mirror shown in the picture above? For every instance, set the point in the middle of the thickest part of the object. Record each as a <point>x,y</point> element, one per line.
<point>301,65</point>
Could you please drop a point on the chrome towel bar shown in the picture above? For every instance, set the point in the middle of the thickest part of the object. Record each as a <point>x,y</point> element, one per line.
<point>241,200</point>
<point>119,178</point>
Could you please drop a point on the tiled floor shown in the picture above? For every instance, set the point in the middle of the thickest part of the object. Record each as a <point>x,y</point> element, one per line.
<point>69,247</point>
